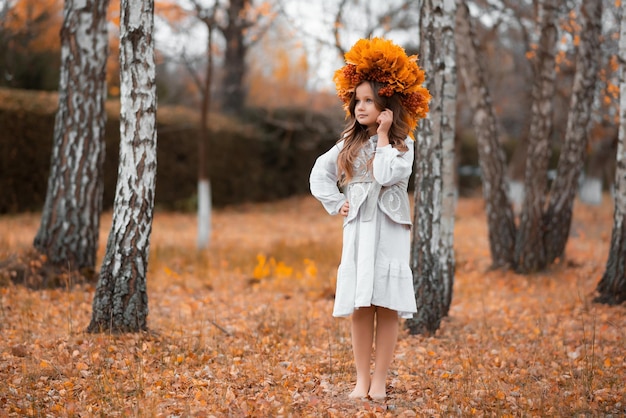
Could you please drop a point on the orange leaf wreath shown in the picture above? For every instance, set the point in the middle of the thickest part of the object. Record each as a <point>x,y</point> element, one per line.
<point>381,60</point>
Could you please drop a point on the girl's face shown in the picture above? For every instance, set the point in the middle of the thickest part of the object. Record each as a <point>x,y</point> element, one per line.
<point>365,110</point>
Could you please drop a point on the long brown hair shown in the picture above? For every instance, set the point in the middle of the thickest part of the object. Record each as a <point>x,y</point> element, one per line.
<point>355,134</point>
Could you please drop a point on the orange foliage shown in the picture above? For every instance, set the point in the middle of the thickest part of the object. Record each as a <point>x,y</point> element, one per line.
<point>613,63</point>
<point>278,71</point>
<point>571,24</point>
<point>610,89</point>
<point>254,12</point>
<point>237,334</point>
<point>531,54</point>
<point>41,19</point>
<point>170,10</point>
<point>113,65</point>
<point>114,13</point>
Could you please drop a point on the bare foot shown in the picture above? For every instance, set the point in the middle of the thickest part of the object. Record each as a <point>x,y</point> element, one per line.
<point>378,391</point>
<point>376,397</point>
<point>357,395</point>
<point>360,390</point>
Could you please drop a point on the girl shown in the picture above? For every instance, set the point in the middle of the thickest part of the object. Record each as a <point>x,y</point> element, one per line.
<point>383,97</point>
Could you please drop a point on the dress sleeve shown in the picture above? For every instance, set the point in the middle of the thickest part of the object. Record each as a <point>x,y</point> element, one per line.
<point>323,181</point>
<point>390,165</point>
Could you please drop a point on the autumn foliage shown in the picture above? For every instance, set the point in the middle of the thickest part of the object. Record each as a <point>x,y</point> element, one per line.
<point>246,329</point>
<point>39,19</point>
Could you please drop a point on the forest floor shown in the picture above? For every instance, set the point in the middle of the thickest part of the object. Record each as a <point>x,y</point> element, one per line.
<point>245,329</point>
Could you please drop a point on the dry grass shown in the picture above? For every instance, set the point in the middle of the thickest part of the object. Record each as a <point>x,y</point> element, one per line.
<point>238,335</point>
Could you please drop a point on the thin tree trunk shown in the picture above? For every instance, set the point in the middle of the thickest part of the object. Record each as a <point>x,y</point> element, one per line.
<point>204,183</point>
<point>612,287</point>
<point>121,301</point>
<point>424,257</point>
<point>204,213</point>
<point>530,255</point>
<point>70,221</point>
<point>558,217</point>
<point>435,197</point>
<point>449,89</point>
<point>500,218</point>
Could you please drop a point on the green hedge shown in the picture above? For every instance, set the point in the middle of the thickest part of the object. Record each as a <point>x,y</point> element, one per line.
<point>260,157</point>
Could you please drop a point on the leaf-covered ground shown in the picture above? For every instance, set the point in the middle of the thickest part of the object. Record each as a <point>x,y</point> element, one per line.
<point>246,329</point>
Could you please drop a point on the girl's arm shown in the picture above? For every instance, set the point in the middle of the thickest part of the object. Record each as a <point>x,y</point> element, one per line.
<point>323,181</point>
<point>390,165</point>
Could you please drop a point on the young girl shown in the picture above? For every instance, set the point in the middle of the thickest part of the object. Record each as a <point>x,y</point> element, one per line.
<point>372,162</point>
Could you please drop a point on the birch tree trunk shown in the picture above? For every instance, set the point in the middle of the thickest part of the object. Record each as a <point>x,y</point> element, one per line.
<point>121,302</point>
<point>492,160</point>
<point>435,195</point>
<point>558,216</point>
<point>70,221</point>
<point>530,255</point>
<point>612,287</point>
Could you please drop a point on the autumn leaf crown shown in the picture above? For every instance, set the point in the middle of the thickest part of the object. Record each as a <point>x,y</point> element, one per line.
<point>381,60</point>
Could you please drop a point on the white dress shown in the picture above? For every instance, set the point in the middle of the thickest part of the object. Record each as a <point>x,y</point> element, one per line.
<point>374,267</point>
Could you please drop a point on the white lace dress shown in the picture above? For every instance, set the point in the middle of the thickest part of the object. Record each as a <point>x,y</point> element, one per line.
<point>374,267</point>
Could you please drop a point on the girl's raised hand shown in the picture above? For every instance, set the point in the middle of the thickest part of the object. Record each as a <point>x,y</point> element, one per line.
<point>345,209</point>
<point>384,120</point>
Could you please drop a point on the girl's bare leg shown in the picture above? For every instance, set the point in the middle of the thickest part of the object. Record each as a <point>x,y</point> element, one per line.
<point>386,337</point>
<point>362,339</point>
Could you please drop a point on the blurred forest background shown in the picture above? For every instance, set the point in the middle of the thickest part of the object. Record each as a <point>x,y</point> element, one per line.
<point>272,103</point>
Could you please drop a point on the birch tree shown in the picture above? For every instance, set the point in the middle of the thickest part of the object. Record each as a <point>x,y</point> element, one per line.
<point>530,252</point>
<point>121,303</point>
<point>543,232</point>
<point>70,220</point>
<point>612,287</point>
<point>558,216</point>
<point>500,218</point>
<point>435,193</point>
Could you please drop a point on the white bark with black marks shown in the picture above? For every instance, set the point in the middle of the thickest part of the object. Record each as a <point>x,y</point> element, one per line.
<point>492,160</point>
<point>558,216</point>
<point>612,287</point>
<point>70,222</point>
<point>435,192</point>
<point>530,254</point>
<point>121,301</point>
